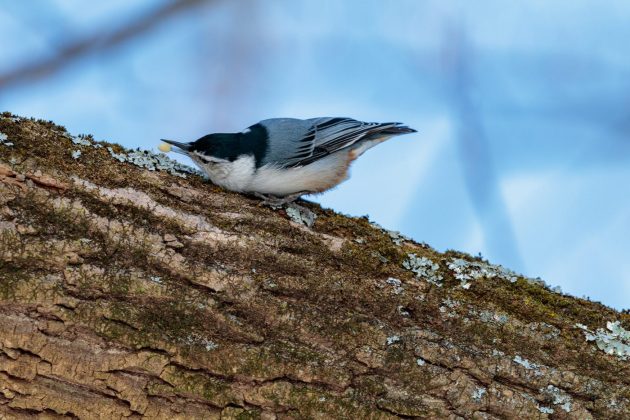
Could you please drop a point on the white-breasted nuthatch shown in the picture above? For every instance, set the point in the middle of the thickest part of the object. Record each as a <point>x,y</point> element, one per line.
<point>281,159</point>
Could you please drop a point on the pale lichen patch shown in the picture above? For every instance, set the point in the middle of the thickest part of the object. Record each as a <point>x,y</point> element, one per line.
<point>558,397</point>
<point>447,304</point>
<point>396,284</point>
<point>450,303</point>
<point>497,353</point>
<point>478,394</point>
<point>80,140</point>
<point>423,268</point>
<point>541,408</point>
<point>4,140</point>
<point>300,214</point>
<point>154,161</point>
<point>528,365</point>
<point>396,237</point>
<point>547,331</point>
<point>490,316</point>
<point>393,339</point>
<point>195,339</point>
<point>615,341</point>
<point>466,271</point>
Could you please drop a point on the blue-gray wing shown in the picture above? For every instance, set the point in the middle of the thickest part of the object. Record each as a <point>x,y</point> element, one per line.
<point>294,142</point>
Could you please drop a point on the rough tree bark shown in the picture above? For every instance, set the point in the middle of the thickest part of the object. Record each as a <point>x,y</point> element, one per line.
<point>128,293</point>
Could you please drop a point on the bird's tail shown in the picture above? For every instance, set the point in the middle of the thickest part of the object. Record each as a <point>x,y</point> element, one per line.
<point>384,131</point>
<point>183,146</point>
<point>396,128</point>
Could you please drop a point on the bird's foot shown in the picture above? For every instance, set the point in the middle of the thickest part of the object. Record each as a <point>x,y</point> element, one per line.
<point>277,202</point>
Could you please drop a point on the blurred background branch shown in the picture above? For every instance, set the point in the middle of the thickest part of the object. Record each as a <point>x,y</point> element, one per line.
<point>475,155</point>
<point>101,41</point>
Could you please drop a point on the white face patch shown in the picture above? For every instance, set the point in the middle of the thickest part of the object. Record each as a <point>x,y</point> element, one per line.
<point>209,159</point>
<point>234,176</point>
<point>247,130</point>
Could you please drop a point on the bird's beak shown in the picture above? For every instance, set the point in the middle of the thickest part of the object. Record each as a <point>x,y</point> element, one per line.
<point>166,146</point>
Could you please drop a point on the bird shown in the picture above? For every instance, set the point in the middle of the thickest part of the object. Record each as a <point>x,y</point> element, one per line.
<point>280,159</point>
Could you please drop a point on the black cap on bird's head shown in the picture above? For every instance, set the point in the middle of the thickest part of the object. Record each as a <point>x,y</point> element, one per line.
<point>209,145</point>
<point>226,146</point>
<point>219,145</point>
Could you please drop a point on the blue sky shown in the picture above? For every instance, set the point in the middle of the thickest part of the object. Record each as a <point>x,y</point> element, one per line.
<point>523,109</point>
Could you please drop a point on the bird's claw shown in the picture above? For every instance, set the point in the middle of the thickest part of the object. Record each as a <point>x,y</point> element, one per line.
<point>277,202</point>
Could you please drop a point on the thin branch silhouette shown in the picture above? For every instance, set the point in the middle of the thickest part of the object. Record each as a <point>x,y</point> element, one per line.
<point>99,42</point>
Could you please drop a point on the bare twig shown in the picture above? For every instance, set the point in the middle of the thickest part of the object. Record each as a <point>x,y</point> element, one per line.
<point>98,42</point>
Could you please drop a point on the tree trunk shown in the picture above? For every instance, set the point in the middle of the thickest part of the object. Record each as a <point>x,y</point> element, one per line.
<point>132,292</point>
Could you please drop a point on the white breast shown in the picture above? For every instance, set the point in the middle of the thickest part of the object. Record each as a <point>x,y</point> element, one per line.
<point>316,177</point>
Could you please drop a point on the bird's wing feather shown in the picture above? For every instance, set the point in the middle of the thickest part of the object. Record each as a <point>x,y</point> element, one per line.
<point>309,140</point>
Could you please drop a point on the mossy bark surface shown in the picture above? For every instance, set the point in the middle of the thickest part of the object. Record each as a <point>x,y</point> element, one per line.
<point>128,293</point>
